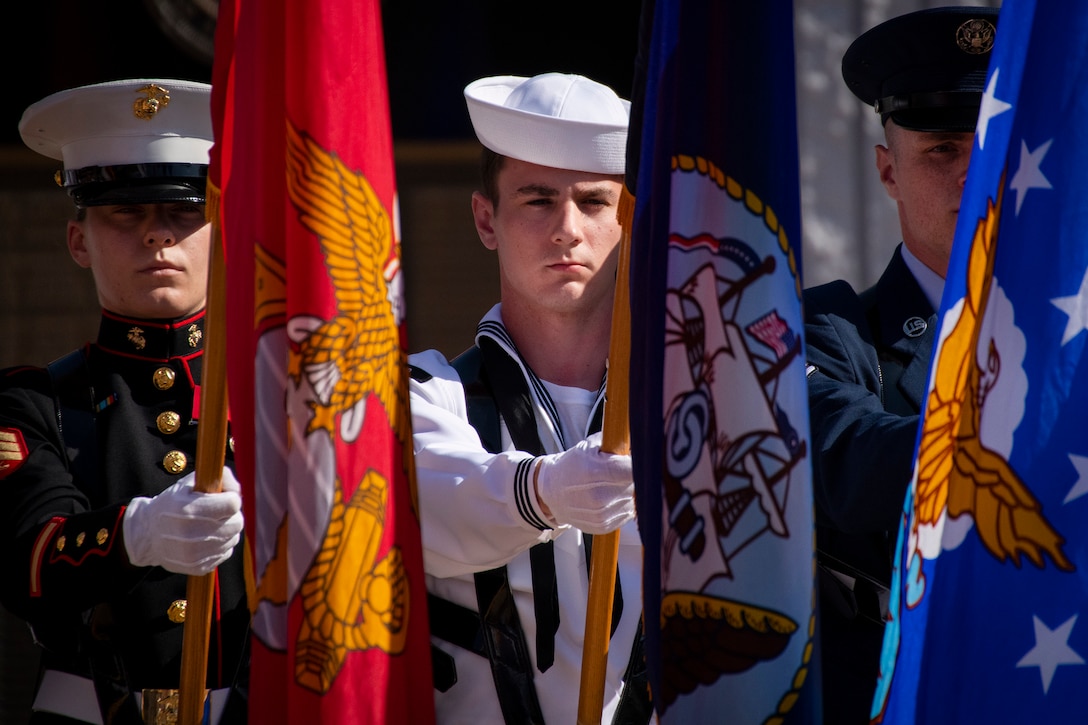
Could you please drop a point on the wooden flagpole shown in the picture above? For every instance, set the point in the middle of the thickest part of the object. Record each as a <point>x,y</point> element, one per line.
<point>615,438</point>
<point>210,458</point>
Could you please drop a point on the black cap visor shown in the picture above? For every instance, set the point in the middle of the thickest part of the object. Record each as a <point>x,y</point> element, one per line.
<point>956,111</point>
<point>150,192</point>
<point>935,119</point>
<point>136,184</point>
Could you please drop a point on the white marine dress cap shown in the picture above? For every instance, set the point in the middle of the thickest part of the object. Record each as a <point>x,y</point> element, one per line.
<point>133,141</point>
<point>560,120</point>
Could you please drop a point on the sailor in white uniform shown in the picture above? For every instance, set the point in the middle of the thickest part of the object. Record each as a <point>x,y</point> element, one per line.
<point>512,481</point>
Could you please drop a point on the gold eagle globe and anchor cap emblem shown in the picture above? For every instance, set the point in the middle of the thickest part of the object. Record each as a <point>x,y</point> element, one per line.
<point>130,141</point>
<point>157,98</point>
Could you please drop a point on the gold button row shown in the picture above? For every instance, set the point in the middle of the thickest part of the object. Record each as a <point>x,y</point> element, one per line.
<point>101,537</point>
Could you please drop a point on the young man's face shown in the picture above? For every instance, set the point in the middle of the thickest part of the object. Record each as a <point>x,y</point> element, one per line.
<point>924,173</point>
<point>556,234</point>
<point>149,261</point>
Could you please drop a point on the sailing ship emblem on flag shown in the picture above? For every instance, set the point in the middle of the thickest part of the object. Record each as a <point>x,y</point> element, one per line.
<point>773,332</point>
<point>731,451</point>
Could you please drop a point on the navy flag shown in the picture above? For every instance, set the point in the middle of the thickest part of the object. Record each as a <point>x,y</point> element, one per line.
<point>719,430</point>
<point>990,585</point>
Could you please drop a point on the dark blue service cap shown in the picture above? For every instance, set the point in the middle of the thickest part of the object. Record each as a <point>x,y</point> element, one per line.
<point>925,70</point>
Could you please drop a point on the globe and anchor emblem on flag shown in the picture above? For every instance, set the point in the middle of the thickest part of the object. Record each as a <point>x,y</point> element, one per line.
<point>353,599</point>
<point>306,208</point>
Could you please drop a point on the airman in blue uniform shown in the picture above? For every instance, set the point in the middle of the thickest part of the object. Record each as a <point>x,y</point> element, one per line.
<point>868,354</point>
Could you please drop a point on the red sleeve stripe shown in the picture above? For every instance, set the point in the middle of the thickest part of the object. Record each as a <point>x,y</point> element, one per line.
<point>41,544</point>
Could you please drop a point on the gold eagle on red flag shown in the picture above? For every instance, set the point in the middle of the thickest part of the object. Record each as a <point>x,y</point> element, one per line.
<point>353,597</point>
<point>358,351</point>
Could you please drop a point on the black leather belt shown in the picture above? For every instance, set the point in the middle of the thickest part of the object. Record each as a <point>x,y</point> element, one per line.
<point>851,592</point>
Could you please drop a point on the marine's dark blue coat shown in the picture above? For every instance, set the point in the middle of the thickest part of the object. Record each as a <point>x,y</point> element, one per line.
<point>64,567</point>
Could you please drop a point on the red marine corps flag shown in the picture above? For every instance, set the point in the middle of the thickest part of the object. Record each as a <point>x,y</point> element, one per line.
<point>303,192</point>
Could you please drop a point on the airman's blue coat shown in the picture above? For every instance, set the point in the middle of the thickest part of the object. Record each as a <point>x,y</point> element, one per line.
<point>869,358</point>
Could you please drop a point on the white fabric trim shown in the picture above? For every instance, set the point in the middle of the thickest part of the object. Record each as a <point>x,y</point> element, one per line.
<point>932,284</point>
<point>96,125</point>
<point>69,695</point>
<point>62,693</point>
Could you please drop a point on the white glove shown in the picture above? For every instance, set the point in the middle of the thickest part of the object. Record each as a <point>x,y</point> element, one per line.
<point>588,489</point>
<point>184,531</point>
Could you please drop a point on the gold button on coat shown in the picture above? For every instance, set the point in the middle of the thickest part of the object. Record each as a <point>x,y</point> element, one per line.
<point>168,422</point>
<point>174,462</point>
<point>176,611</point>
<point>163,378</point>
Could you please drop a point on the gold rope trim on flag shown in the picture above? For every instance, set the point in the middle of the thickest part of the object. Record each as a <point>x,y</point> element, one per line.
<point>738,615</point>
<point>683,162</point>
<point>791,697</point>
<point>788,700</point>
<point>745,617</point>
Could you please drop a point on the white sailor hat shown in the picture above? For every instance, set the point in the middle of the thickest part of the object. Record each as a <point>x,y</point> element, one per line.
<point>138,141</point>
<point>554,119</point>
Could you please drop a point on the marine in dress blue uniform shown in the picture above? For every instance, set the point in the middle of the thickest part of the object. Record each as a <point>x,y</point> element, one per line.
<point>95,449</point>
<point>868,354</point>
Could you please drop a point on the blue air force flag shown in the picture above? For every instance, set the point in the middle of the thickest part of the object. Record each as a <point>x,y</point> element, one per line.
<point>990,584</point>
<point>720,436</point>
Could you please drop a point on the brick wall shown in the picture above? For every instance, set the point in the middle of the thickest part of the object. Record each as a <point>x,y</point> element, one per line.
<point>47,302</point>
